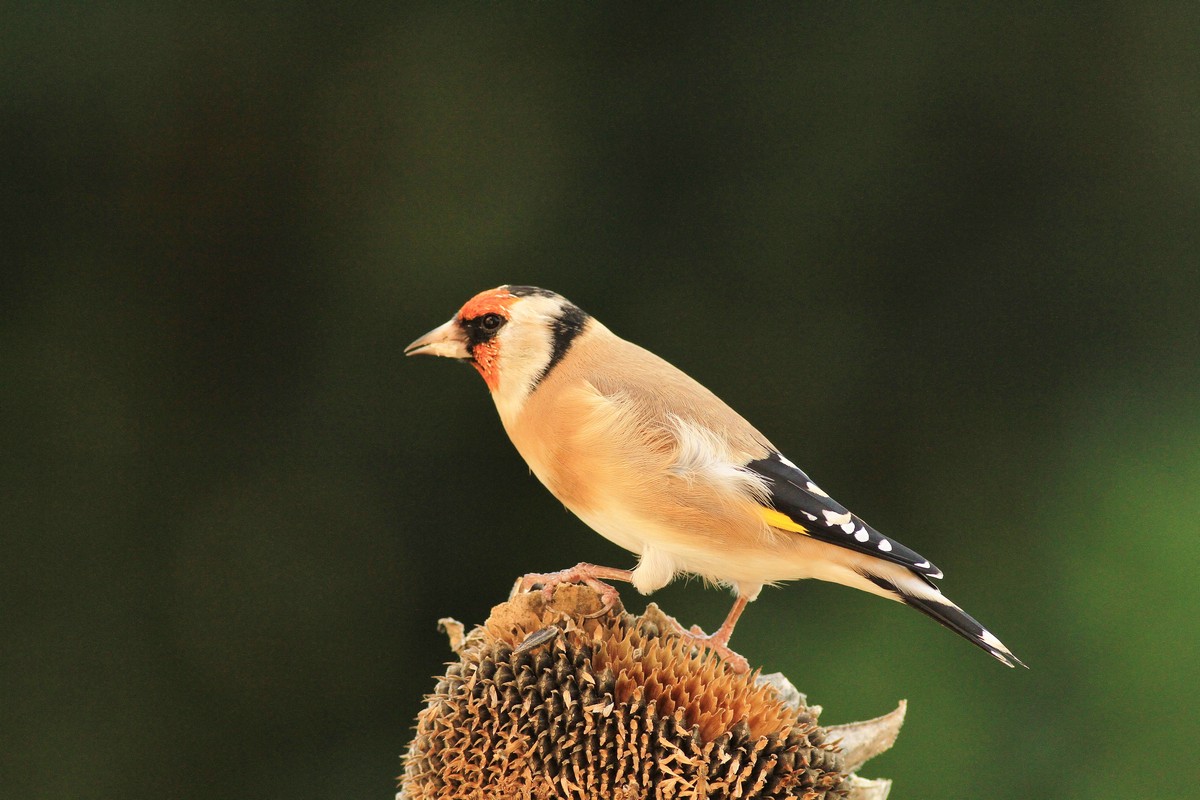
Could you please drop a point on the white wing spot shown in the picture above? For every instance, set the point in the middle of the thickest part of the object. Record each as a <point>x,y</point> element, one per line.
<point>885,545</point>
<point>784,459</point>
<point>811,517</point>
<point>862,535</point>
<point>834,518</point>
<point>848,527</point>
<point>922,565</point>
<point>812,487</point>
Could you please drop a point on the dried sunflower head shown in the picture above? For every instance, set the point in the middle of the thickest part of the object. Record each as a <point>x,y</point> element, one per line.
<point>545,702</point>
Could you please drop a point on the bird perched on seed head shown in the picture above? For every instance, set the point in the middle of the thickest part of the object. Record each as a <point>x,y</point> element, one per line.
<point>659,465</point>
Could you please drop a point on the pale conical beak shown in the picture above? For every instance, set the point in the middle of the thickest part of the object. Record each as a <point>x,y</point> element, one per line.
<point>445,340</point>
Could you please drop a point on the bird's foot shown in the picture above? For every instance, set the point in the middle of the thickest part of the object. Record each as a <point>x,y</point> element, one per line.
<point>718,643</point>
<point>587,574</point>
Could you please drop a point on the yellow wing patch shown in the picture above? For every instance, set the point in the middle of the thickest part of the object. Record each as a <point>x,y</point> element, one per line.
<point>777,519</point>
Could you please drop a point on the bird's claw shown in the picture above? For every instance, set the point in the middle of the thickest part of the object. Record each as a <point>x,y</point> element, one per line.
<point>717,642</point>
<point>606,606</point>
<point>587,574</point>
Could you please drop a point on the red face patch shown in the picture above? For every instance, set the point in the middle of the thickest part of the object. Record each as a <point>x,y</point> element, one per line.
<point>485,355</point>
<point>493,301</point>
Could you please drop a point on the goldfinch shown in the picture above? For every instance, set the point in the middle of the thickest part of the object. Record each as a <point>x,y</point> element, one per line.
<point>658,464</point>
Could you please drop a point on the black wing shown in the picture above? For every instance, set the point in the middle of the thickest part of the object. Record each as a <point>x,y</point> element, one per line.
<point>795,496</point>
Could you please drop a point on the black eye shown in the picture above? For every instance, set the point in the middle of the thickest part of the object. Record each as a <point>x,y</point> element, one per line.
<point>491,322</point>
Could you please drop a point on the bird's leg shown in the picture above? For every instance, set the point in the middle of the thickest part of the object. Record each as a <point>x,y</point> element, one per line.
<point>588,574</point>
<point>718,642</point>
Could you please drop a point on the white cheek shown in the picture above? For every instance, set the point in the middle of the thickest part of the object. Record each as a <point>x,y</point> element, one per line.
<point>524,352</point>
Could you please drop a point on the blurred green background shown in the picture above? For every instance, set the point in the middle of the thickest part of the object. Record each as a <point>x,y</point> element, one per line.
<point>944,256</point>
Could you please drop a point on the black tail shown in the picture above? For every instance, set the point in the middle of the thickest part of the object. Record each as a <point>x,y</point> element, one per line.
<point>921,594</point>
<point>965,626</point>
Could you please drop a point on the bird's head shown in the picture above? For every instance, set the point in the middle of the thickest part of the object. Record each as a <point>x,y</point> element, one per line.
<point>513,335</point>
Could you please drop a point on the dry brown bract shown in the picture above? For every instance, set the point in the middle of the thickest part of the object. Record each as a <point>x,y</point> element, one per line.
<point>545,703</point>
